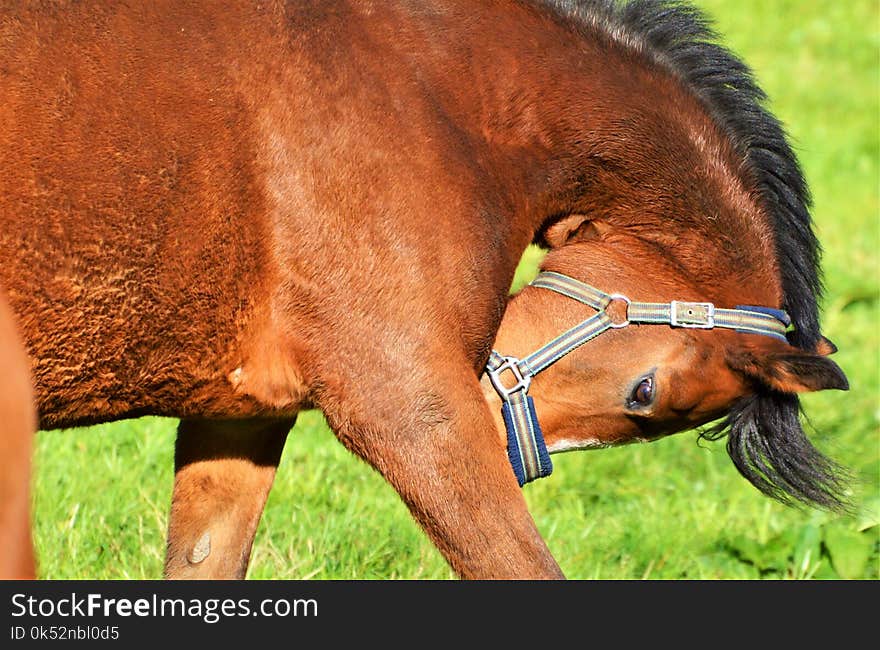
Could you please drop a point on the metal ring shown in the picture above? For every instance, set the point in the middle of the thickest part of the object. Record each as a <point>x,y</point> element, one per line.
<point>618,296</point>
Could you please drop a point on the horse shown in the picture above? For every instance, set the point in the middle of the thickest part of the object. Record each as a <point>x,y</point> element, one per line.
<point>231,214</point>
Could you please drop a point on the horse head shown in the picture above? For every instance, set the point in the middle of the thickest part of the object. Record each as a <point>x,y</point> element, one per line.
<point>689,198</point>
<point>675,368</point>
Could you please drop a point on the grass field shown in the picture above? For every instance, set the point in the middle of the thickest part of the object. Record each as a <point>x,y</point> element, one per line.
<point>674,509</point>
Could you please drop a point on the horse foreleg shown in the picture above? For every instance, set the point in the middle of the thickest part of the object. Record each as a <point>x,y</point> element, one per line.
<point>223,473</point>
<point>19,422</point>
<point>440,450</point>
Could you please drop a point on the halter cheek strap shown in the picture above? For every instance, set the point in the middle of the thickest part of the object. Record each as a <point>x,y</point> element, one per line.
<point>525,442</point>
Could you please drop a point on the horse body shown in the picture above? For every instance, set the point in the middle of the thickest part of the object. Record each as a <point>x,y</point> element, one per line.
<point>168,256</point>
<point>227,216</point>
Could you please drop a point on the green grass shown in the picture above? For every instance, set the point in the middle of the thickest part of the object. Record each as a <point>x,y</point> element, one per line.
<point>668,510</point>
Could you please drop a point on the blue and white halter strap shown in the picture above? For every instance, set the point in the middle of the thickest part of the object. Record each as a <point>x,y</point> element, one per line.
<point>525,442</point>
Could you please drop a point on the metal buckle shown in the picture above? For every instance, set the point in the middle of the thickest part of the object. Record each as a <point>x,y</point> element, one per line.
<point>522,381</point>
<point>697,315</point>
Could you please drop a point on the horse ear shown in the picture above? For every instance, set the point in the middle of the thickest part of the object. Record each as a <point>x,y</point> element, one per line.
<point>786,368</point>
<point>825,347</point>
<point>574,227</point>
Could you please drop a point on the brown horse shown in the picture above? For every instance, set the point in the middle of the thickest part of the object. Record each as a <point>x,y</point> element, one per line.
<point>229,214</point>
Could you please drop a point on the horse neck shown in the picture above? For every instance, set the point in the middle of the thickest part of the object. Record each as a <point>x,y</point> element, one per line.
<point>590,126</point>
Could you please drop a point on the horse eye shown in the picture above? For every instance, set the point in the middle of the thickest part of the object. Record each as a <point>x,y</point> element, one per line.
<point>643,393</point>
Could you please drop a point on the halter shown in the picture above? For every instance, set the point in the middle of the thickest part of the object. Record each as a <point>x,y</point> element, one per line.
<point>525,442</point>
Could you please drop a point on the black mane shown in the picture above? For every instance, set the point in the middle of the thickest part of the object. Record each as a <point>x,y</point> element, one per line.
<point>766,441</point>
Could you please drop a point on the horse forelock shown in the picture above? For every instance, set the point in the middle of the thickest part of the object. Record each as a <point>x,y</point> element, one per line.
<point>679,38</point>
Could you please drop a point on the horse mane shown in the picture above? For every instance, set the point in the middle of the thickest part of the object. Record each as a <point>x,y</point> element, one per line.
<point>765,439</point>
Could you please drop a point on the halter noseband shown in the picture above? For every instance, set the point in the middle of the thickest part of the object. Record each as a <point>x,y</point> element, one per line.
<point>525,443</point>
